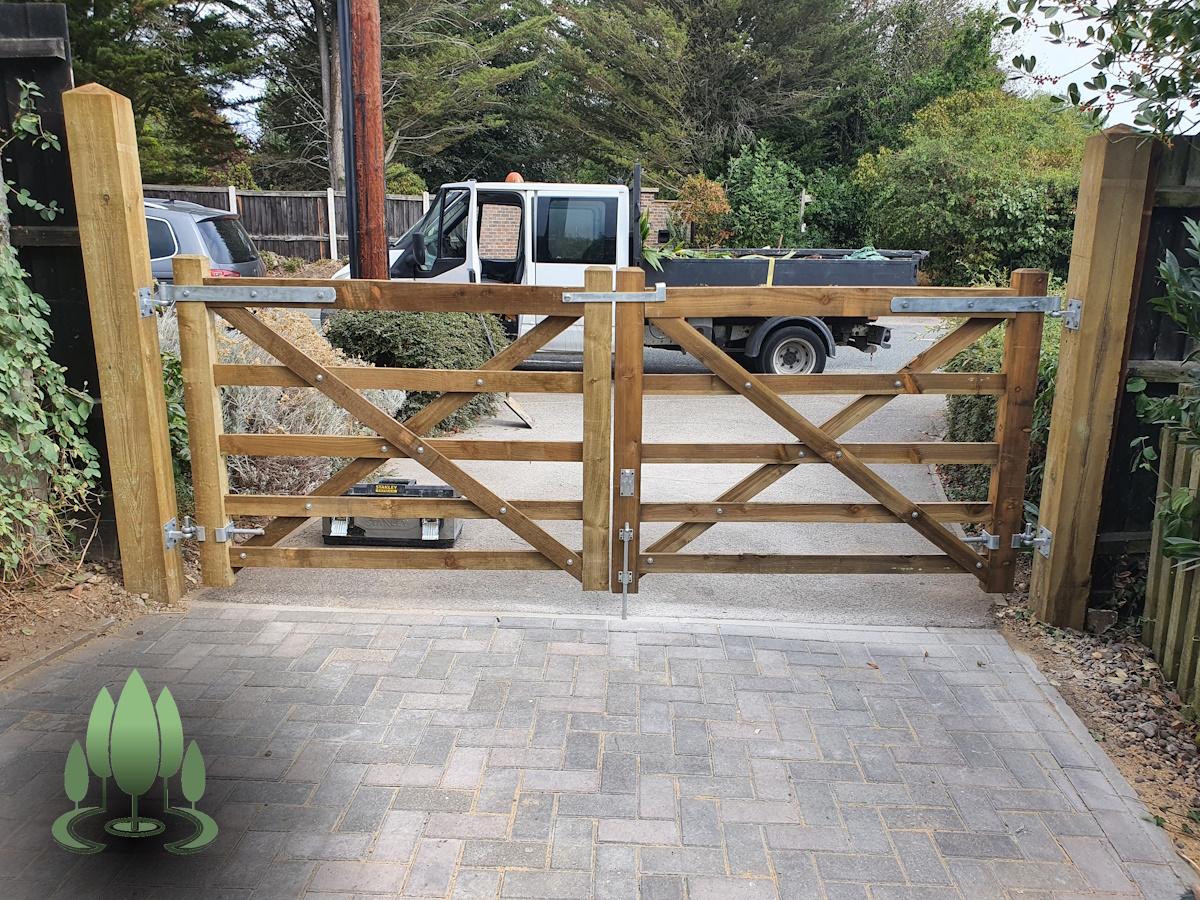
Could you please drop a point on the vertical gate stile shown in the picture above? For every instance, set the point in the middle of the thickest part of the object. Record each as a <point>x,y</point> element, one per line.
<point>627,424</point>
<point>210,477</point>
<point>597,430</point>
<point>1014,426</point>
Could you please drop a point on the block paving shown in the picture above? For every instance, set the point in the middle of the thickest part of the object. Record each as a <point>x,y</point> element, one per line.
<point>367,754</point>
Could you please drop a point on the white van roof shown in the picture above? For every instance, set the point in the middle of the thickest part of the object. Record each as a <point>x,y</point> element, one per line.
<point>583,190</point>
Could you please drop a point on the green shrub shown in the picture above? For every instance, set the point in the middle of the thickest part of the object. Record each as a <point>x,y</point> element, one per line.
<point>425,340</point>
<point>973,418</point>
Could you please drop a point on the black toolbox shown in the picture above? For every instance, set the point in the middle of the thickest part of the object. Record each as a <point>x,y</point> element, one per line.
<point>373,532</point>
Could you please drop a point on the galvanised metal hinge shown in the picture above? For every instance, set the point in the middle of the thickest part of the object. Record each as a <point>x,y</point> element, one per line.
<point>150,300</point>
<point>173,534</point>
<point>1039,541</point>
<point>991,541</point>
<point>976,305</point>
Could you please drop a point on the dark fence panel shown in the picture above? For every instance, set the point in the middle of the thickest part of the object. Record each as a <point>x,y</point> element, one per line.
<point>292,223</point>
<point>1156,352</point>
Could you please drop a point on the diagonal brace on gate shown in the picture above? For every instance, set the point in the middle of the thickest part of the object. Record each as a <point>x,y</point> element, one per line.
<point>403,438</point>
<point>852,414</point>
<point>826,446</point>
<point>419,423</point>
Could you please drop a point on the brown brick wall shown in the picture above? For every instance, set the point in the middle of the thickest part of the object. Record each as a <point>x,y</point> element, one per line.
<point>500,231</point>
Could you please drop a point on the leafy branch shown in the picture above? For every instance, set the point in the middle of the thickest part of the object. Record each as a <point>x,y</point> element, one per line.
<point>27,126</point>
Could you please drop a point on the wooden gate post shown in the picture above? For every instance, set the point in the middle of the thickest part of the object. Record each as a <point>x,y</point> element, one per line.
<point>597,429</point>
<point>210,476</point>
<point>116,261</point>
<point>1114,188</point>
<point>627,423</point>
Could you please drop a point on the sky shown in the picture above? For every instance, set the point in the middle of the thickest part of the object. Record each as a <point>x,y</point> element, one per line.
<point>1062,61</point>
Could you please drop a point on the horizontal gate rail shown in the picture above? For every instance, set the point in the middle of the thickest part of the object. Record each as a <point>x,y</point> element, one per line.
<point>803,454</point>
<point>391,507</point>
<point>380,378</point>
<point>807,512</point>
<point>797,564</point>
<point>378,450</point>
<point>370,558</point>
<point>828,383</point>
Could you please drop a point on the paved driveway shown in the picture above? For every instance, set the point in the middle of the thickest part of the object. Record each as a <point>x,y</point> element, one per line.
<point>363,754</point>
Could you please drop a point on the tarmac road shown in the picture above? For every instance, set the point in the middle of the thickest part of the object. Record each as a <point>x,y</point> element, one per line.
<point>950,600</point>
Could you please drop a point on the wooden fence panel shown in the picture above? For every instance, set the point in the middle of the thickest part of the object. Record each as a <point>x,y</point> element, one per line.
<point>291,223</point>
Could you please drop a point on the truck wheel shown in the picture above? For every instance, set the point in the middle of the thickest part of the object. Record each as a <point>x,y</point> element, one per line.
<point>793,350</point>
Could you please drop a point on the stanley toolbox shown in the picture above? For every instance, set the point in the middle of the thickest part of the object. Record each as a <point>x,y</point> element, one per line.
<point>364,532</point>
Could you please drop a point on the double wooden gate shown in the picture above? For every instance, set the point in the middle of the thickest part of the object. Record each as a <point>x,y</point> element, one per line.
<point>612,454</point>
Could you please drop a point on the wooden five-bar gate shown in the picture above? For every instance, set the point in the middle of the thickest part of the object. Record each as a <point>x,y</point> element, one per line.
<point>612,455</point>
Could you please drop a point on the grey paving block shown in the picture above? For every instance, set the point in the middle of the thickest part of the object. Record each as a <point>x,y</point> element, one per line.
<point>661,887</point>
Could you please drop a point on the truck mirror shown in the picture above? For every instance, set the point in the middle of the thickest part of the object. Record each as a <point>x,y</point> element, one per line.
<point>418,250</point>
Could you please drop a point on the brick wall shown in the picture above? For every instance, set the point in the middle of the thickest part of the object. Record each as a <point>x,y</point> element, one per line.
<point>657,210</point>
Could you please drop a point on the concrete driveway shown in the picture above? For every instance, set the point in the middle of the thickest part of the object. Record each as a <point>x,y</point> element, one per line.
<point>362,754</point>
<point>909,600</point>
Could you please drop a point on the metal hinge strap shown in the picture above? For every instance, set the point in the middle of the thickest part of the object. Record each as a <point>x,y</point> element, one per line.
<point>975,305</point>
<point>991,541</point>
<point>150,300</point>
<point>658,295</point>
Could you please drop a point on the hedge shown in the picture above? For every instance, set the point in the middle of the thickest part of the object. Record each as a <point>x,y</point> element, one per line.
<point>422,340</point>
<point>972,417</point>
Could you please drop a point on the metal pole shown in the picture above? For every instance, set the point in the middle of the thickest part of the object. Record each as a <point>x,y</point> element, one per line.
<point>347,76</point>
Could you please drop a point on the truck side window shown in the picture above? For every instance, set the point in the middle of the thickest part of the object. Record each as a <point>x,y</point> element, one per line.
<point>454,224</point>
<point>577,230</point>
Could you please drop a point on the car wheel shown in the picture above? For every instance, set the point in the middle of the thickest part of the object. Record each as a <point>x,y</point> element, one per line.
<point>792,350</point>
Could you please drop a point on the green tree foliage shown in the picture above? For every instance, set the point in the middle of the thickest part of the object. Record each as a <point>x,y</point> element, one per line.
<point>178,62</point>
<point>984,180</point>
<point>75,776</point>
<point>1147,52</point>
<point>135,741</point>
<point>192,778</point>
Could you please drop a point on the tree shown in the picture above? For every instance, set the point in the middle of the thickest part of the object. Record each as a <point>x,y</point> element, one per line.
<point>985,181</point>
<point>170,728</point>
<point>75,775</point>
<point>98,729</point>
<point>1147,52</point>
<point>446,66</point>
<point>193,774</point>
<point>178,61</point>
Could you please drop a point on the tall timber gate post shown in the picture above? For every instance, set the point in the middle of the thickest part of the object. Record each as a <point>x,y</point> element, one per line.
<point>116,260</point>
<point>1115,191</point>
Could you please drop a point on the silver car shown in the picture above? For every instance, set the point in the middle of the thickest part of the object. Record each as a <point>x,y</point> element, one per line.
<point>176,226</point>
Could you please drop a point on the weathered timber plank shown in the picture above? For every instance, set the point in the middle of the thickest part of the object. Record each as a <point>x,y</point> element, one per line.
<point>834,383</point>
<point>390,507</point>
<point>806,512</point>
<point>804,564</point>
<point>597,430</point>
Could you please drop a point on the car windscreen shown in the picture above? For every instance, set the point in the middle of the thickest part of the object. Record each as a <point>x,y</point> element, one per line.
<point>227,241</point>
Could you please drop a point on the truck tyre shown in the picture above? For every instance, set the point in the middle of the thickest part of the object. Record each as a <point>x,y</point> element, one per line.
<point>792,350</point>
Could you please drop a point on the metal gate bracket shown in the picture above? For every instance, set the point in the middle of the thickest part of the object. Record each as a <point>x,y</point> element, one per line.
<point>173,534</point>
<point>254,295</point>
<point>1039,542</point>
<point>659,295</point>
<point>968,305</point>
<point>991,541</point>
<point>626,484</point>
<point>1071,316</point>
<point>147,303</point>
<point>221,535</point>
<point>625,576</point>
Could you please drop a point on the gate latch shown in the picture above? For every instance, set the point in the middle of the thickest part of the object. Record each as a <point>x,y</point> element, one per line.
<point>173,534</point>
<point>991,541</point>
<point>1039,541</point>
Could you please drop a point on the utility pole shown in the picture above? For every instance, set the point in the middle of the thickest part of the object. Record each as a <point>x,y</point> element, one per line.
<point>362,107</point>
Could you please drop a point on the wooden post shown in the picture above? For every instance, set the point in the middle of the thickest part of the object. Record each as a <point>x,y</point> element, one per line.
<point>597,429</point>
<point>210,477</point>
<point>233,199</point>
<point>367,78</point>
<point>1108,225</point>
<point>627,423</point>
<point>116,260</point>
<point>1014,425</point>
